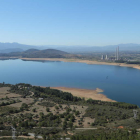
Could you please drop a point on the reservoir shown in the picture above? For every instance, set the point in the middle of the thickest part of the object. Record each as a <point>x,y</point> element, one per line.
<point>119,83</point>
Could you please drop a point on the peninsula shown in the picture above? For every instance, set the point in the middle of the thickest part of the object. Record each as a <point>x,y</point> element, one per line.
<point>86,93</point>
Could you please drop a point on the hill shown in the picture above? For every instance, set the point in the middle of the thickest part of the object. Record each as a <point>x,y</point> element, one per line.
<point>47,53</point>
<point>35,53</point>
<point>31,50</point>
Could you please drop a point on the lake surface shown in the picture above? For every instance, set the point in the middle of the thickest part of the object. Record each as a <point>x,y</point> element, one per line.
<point>119,83</point>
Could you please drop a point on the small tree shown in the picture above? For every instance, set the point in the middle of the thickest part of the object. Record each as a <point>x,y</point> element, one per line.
<point>56,107</point>
<point>70,124</point>
<point>35,135</point>
<point>44,137</point>
<point>34,110</point>
<point>47,109</point>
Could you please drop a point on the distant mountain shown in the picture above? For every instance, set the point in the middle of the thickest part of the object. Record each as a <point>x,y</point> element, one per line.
<point>90,49</point>
<point>11,50</point>
<point>10,47</point>
<point>24,47</point>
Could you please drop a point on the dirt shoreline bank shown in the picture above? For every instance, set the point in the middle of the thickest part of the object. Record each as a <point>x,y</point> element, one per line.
<point>86,93</point>
<point>83,61</point>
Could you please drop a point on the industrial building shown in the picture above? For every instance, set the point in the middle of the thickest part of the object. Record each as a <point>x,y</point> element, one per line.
<point>104,57</point>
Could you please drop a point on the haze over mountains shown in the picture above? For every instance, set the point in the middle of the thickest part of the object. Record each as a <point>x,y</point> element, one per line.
<point>16,47</point>
<point>8,46</point>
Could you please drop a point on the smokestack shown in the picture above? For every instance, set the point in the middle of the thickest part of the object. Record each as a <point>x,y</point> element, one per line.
<point>117,53</point>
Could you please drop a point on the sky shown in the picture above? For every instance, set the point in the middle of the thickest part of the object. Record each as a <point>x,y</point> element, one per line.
<point>70,22</point>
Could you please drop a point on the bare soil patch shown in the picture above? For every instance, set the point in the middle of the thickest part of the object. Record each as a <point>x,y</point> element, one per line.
<point>4,92</point>
<point>86,93</point>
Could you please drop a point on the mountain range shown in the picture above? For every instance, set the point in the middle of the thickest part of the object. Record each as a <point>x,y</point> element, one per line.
<point>16,47</point>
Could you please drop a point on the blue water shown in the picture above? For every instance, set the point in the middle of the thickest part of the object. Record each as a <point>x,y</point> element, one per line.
<point>119,83</point>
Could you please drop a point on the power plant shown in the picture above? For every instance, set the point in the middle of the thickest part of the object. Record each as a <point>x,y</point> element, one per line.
<point>105,57</point>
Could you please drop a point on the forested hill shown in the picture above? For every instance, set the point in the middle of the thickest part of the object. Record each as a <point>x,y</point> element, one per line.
<point>35,53</point>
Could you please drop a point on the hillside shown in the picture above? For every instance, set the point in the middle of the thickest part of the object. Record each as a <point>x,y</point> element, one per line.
<point>49,112</point>
<point>48,53</point>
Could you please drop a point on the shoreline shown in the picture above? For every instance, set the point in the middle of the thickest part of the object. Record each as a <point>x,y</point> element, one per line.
<point>86,93</point>
<point>136,66</point>
<point>94,94</point>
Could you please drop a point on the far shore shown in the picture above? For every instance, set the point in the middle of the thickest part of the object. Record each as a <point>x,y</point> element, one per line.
<point>86,93</point>
<point>83,61</point>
